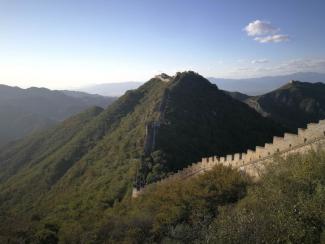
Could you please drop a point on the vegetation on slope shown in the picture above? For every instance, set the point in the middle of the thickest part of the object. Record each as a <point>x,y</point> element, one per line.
<point>223,206</point>
<point>286,206</point>
<point>293,105</point>
<point>75,180</point>
<point>201,120</point>
<point>65,178</point>
<point>24,111</point>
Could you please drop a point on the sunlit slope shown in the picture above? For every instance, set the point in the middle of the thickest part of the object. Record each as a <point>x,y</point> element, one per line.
<point>85,165</point>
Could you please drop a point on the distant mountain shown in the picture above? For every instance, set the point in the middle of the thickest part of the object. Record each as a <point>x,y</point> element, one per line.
<point>249,86</point>
<point>76,172</point>
<point>293,105</point>
<point>23,111</point>
<point>111,89</point>
<point>261,85</point>
<point>238,95</point>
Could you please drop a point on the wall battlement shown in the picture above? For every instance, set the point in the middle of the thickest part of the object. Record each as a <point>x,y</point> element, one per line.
<point>253,161</point>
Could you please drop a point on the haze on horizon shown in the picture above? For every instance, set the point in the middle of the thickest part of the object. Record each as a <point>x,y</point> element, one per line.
<point>69,43</point>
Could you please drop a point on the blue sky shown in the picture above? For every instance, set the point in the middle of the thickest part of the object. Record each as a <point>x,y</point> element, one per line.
<point>70,43</point>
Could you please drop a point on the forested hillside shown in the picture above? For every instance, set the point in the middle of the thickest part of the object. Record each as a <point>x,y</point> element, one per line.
<point>61,180</point>
<point>293,105</point>
<point>224,206</point>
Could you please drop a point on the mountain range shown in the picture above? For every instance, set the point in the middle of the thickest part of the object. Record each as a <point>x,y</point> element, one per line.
<point>262,85</point>
<point>82,167</point>
<point>55,182</point>
<point>250,86</point>
<point>24,111</point>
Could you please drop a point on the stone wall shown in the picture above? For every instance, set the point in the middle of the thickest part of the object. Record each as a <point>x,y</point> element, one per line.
<point>253,162</point>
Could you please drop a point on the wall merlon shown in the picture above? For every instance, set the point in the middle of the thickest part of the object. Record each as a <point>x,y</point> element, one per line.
<point>229,158</point>
<point>277,139</point>
<point>301,131</point>
<point>267,146</point>
<point>249,154</point>
<point>237,156</point>
<point>322,122</point>
<point>312,125</point>
<point>260,152</point>
<point>290,135</point>
<point>259,149</point>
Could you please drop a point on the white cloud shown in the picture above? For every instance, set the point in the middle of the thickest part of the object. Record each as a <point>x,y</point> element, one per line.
<point>273,68</point>
<point>273,38</point>
<point>303,65</point>
<point>259,61</point>
<point>259,27</point>
<point>264,32</point>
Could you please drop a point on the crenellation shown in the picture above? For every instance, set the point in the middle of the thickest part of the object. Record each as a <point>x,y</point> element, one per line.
<point>268,146</point>
<point>292,140</point>
<point>243,157</point>
<point>312,125</point>
<point>277,139</point>
<point>229,158</point>
<point>321,122</point>
<point>249,154</point>
<point>301,131</point>
<point>237,156</point>
<point>253,162</point>
<point>260,152</point>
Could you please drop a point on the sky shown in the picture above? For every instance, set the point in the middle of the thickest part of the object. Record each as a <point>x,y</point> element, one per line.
<point>72,43</point>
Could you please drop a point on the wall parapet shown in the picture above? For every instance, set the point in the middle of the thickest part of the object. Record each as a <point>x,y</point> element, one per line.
<point>253,160</point>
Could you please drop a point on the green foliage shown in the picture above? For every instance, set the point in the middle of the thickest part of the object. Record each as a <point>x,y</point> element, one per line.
<point>221,206</point>
<point>176,211</point>
<point>286,206</point>
<point>78,176</point>
<point>293,105</point>
<point>75,171</point>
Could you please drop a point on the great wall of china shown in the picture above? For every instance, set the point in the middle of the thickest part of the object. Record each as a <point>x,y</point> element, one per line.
<point>151,132</point>
<point>253,162</point>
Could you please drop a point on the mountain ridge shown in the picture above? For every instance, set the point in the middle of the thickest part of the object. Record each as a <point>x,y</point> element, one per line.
<point>294,104</point>
<point>86,165</point>
<point>262,85</point>
<point>24,111</point>
<point>249,86</point>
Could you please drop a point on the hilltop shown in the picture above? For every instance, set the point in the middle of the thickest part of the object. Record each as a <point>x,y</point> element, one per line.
<point>86,165</point>
<point>293,105</point>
